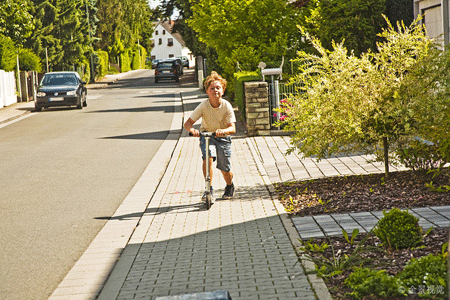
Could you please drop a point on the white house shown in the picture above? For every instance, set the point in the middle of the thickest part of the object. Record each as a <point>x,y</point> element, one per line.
<point>167,44</point>
<point>435,17</point>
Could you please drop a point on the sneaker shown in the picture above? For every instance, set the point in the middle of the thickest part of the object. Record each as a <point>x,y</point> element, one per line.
<point>229,191</point>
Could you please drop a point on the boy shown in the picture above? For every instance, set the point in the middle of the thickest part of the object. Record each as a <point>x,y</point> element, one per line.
<point>217,116</point>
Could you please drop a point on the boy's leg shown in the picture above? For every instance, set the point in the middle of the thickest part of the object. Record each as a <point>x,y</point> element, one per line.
<point>228,176</point>
<point>224,165</point>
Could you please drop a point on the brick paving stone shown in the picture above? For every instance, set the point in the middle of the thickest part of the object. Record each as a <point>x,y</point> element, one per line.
<point>250,254</point>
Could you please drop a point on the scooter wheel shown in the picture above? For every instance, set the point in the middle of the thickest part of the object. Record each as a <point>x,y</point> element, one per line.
<point>208,201</point>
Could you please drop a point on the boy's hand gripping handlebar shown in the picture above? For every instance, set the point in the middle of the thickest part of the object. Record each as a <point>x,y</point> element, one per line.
<point>210,134</point>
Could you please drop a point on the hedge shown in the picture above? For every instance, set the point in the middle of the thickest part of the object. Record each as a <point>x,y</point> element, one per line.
<point>138,58</point>
<point>125,63</point>
<point>239,79</point>
<point>103,63</point>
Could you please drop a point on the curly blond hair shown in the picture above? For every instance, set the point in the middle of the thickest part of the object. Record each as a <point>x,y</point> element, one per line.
<point>215,77</point>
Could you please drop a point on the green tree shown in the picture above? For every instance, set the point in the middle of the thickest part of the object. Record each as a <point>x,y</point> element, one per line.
<point>8,54</point>
<point>43,41</point>
<point>29,61</point>
<point>244,31</point>
<point>353,104</point>
<point>426,89</point>
<point>400,10</point>
<point>357,22</point>
<point>125,22</point>
<point>16,21</point>
<point>71,29</point>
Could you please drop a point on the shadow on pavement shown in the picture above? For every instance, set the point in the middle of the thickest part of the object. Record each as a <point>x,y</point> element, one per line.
<point>157,135</point>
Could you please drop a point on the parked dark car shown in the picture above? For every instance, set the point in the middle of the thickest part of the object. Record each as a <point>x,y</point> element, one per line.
<point>155,63</point>
<point>61,89</point>
<point>168,69</point>
<point>184,61</point>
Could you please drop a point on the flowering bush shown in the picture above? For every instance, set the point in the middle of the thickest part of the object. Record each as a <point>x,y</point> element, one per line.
<point>284,111</point>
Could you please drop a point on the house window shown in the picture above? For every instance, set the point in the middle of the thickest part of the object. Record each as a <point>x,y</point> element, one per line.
<point>160,42</point>
<point>164,32</point>
<point>433,20</point>
<point>170,42</point>
<point>156,32</point>
<point>171,55</point>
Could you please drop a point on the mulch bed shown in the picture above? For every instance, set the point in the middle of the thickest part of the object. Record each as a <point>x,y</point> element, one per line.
<point>403,189</point>
<point>406,189</point>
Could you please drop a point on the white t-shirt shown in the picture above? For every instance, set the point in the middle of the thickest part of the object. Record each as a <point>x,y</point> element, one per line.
<point>214,118</point>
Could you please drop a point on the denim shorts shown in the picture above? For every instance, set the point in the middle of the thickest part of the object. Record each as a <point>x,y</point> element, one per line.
<point>220,148</point>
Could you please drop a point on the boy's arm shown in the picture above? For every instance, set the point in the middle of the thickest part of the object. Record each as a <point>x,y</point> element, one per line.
<point>231,129</point>
<point>188,125</point>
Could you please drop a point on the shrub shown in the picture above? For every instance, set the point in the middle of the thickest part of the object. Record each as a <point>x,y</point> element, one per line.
<point>125,64</point>
<point>369,282</point>
<point>399,229</point>
<point>239,79</point>
<point>101,59</point>
<point>29,61</point>
<point>8,56</point>
<point>426,276</point>
<point>138,57</point>
<point>420,155</point>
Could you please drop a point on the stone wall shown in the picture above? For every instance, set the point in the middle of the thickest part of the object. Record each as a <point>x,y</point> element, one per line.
<point>257,108</point>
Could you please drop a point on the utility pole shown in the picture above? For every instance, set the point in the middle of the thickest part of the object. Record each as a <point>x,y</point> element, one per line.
<point>445,21</point>
<point>90,40</point>
<point>18,78</point>
<point>139,47</point>
<point>46,58</point>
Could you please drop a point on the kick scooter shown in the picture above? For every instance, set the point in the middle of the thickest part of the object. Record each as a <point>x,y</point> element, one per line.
<point>208,196</point>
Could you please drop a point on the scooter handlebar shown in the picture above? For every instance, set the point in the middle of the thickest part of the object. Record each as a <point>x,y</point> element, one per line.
<point>204,134</point>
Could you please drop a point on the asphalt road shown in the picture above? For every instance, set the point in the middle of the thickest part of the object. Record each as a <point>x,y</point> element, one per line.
<point>64,169</point>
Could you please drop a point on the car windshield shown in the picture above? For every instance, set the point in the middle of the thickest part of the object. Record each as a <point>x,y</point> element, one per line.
<point>165,65</point>
<point>60,79</point>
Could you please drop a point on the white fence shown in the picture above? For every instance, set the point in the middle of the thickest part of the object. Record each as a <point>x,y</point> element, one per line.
<point>7,88</point>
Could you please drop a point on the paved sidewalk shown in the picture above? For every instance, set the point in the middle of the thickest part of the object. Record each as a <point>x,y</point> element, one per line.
<point>239,245</point>
<point>15,111</point>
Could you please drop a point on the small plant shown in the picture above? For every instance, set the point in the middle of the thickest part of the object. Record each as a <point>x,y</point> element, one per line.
<point>438,189</point>
<point>399,229</point>
<point>352,238</point>
<point>338,262</point>
<point>426,276</point>
<point>291,205</point>
<point>370,282</point>
<point>309,246</point>
<point>321,202</point>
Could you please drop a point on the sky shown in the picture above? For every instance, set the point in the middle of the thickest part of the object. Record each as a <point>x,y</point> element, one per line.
<point>155,3</point>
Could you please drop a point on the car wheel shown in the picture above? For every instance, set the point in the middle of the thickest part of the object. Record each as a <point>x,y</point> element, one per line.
<point>38,108</point>
<point>85,101</point>
<point>80,104</point>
